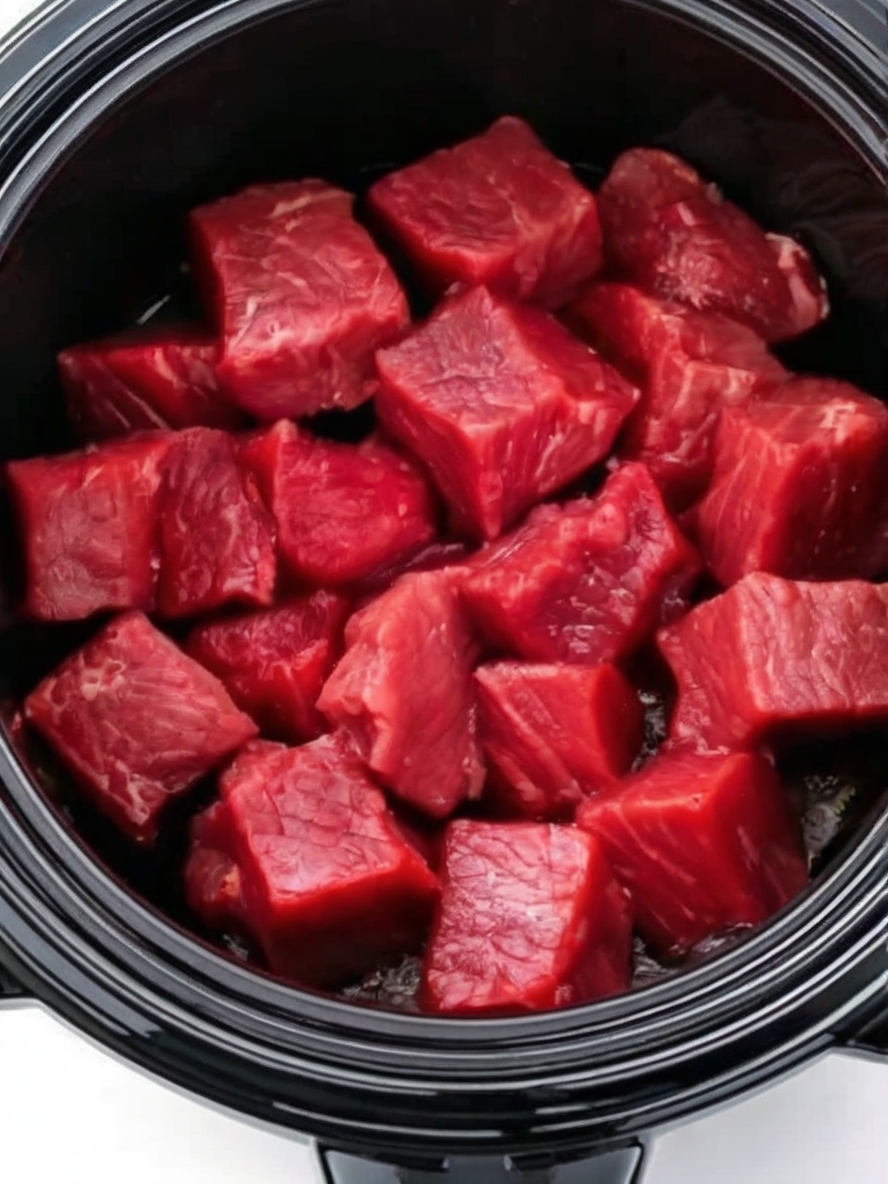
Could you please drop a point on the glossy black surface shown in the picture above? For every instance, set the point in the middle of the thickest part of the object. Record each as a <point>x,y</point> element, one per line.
<point>90,230</point>
<point>620,1166</point>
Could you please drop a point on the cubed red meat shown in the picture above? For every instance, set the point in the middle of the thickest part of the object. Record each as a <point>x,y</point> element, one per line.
<point>342,510</point>
<point>89,527</point>
<point>150,378</point>
<point>554,733</point>
<point>776,658</point>
<point>671,233</point>
<point>530,917</point>
<point>214,887</point>
<point>274,662</point>
<point>438,554</point>
<point>689,364</point>
<point>403,692</point>
<point>217,539</point>
<point>501,404</point>
<point>300,294</point>
<point>329,884</point>
<point>800,486</point>
<point>499,210</point>
<point>585,582</point>
<point>705,844</point>
<point>136,721</point>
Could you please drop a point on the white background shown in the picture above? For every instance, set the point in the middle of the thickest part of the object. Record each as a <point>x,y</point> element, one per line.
<point>71,1114</point>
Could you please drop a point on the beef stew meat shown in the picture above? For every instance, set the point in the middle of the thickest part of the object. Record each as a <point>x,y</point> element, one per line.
<point>705,843</point>
<point>137,721</point>
<point>149,378</point>
<point>495,752</point>
<point>773,658</point>
<point>502,405</point>
<point>498,210</point>
<point>813,442</point>
<point>668,231</point>
<point>483,956</point>
<point>89,527</point>
<point>217,543</point>
<point>324,493</point>
<point>553,734</point>
<point>328,884</point>
<point>691,364</point>
<point>299,294</point>
<point>587,581</point>
<point>274,661</point>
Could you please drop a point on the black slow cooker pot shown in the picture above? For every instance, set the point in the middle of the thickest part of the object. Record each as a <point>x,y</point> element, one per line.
<point>114,120</point>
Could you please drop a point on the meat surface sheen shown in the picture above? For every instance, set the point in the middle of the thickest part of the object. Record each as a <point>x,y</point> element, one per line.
<point>88,522</point>
<point>530,917</point>
<point>300,295</point>
<point>774,658</point>
<point>329,884</point>
<point>800,486</point>
<point>587,581</point>
<point>669,232</point>
<point>690,365</point>
<point>501,404</point>
<point>148,378</point>
<point>343,511</point>
<point>704,843</point>
<point>136,721</point>
<point>497,209</point>
<point>217,542</point>
<point>274,662</point>
<point>403,692</point>
<point>554,733</point>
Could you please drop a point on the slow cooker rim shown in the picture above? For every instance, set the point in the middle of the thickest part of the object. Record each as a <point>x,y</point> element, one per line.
<point>35,829</point>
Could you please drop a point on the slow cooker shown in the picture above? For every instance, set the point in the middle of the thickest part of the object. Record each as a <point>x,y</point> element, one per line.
<point>117,118</point>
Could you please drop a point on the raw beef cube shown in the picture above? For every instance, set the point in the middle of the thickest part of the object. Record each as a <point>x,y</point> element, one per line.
<point>553,734</point>
<point>274,662</point>
<point>153,378</point>
<point>216,537</point>
<point>498,209</point>
<point>704,844</point>
<point>690,365</point>
<point>800,486</point>
<point>136,721</point>
<point>671,233</point>
<point>530,917</point>
<point>501,404</point>
<point>300,294</point>
<point>771,657</point>
<point>89,524</point>
<point>342,510</point>
<point>587,581</point>
<point>403,691</point>
<point>329,882</point>
<point>214,886</point>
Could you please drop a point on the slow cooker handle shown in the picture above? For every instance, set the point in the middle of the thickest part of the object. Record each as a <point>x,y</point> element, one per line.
<point>621,1165</point>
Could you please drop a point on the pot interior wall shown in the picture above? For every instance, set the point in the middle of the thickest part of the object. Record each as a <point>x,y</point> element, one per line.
<point>343,90</point>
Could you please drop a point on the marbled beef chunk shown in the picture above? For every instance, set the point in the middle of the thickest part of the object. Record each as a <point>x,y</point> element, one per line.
<point>672,234</point>
<point>554,733</point>
<point>704,843</point>
<point>299,294</point>
<point>530,917</point>
<point>88,523</point>
<point>587,581</point>
<point>501,404</point>
<point>304,853</point>
<point>136,721</point>
<point>800,486</point>
<point>773,658</point>
<point>497,209</point>
<point>157,377</point>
